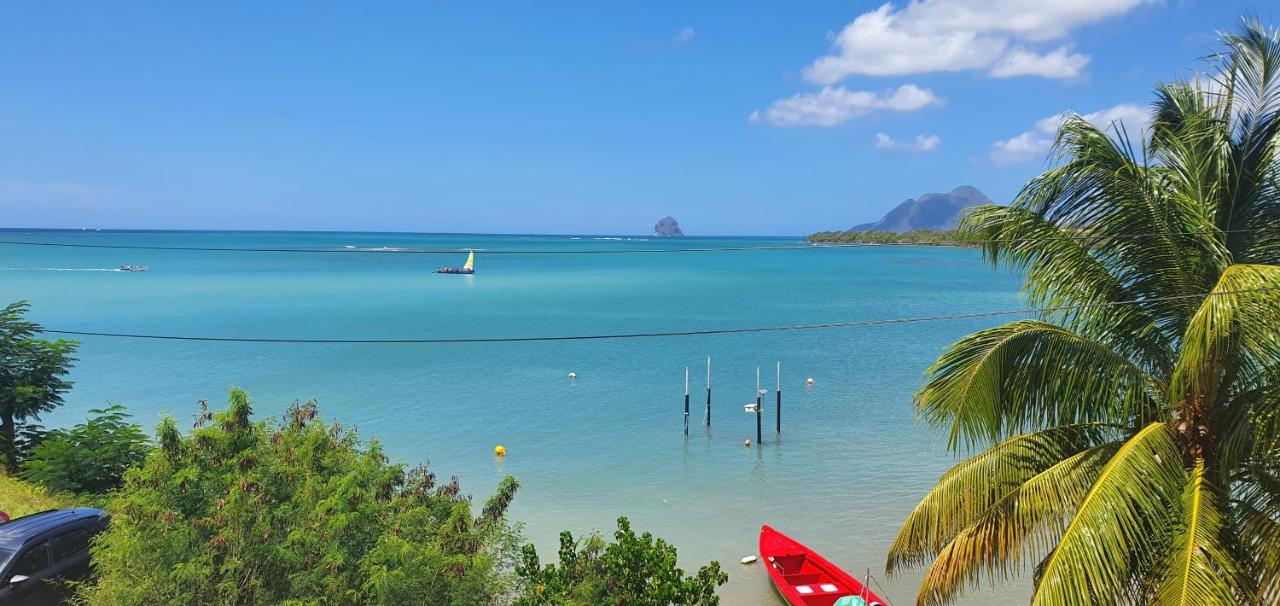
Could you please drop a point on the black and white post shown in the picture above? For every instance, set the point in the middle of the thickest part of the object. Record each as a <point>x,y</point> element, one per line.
<point>778,412</point>
<point>708,414</point>
<point>686,401</point>
<point>759,405</point>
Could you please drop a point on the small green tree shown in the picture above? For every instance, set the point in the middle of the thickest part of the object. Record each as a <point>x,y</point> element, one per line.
<point>31,375</point>
<point>632,571</point>
<point>294,512</point>
<point>90,457</point>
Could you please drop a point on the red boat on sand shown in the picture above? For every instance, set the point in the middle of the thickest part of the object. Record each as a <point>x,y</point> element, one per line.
<point>804,578</point>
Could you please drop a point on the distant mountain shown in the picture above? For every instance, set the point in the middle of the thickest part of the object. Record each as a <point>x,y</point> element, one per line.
<point>667,228</point>
<point>929,211</point>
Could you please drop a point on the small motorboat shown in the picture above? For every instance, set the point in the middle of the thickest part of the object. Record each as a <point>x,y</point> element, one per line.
<point>804,578</point>
<point>132,268</point>
<point>468,268</point>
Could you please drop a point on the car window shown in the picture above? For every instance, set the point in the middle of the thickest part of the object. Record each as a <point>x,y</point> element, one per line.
<point>69,545</point>
<point>33,560</point>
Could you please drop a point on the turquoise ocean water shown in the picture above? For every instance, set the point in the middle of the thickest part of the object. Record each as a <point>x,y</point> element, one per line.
<point>849,464</point>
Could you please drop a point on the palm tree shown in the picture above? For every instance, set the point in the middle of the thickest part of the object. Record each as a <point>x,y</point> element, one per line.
<point>1130,434</point>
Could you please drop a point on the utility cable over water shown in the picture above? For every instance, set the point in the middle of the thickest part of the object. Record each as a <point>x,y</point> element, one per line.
<point>499,251</point>
<point>643,335</point>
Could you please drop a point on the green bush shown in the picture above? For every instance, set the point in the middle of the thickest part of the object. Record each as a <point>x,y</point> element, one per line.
<point>90,457</point>
<point>294,512</point>
<point>915,236</point>
<point>632,571</point>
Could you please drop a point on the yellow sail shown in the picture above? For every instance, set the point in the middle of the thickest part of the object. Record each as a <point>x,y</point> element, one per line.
<point>471,261</point>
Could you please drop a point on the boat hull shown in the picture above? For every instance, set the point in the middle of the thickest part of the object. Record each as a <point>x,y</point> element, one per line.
<point>802,577</point>
<point>455,270</point>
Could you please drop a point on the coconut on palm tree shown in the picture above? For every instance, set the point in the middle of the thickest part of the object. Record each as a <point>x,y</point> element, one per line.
<point>1129,436</point>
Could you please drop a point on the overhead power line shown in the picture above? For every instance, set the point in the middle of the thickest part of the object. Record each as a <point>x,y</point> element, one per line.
<point>604,251</point>
<point>644,335</point>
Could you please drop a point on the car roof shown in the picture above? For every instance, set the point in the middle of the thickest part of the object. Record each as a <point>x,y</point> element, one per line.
<point>14,533</point>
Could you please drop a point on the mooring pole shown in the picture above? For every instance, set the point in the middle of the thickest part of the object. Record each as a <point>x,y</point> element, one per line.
<point>758,405</point>
<point>708,415</point>
<point>778,412</point>
<point>686,401</point>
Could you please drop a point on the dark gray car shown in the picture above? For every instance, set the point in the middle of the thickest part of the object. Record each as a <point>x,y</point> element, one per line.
<point>38,550</point>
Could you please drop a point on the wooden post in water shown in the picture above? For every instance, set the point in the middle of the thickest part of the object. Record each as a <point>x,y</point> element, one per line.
<point>759,403</point>
<point>778,412</point>
<point>686,401</point>
<point>708,415</point>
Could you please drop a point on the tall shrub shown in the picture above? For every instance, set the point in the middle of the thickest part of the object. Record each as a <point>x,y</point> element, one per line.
<point>293,512</point>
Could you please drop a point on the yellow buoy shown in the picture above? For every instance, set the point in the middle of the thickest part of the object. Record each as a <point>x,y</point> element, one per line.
<point>500,450</point>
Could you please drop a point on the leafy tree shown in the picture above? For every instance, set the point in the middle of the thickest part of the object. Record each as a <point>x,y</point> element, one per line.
<point>31,372</point>
<point>294,512</point>
<point>1132,434</point>
<point>632,571</point>
<point>915,236</point>
<point>90,457</point>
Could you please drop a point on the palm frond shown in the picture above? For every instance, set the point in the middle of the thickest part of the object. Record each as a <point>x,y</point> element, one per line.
<point>1256,505</point>
<point>1061,271</point>
<point>972,487</point>
<point>1028,375</point>
<point>1251,62</point>
<point>1104,190</point>
<point>1019,527</point>
<point>1095,559</point>
<point>1247,422</point>
<point>1232,336</point>
<point>1191,145</point>
<point>1201,570</point>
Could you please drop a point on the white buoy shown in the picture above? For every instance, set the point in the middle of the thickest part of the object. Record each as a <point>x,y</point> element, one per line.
<point>749,559</point>
<point>572,375</point>
<point>809,381</point>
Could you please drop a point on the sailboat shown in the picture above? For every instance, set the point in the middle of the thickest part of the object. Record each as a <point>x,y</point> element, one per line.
<point>468,268</point>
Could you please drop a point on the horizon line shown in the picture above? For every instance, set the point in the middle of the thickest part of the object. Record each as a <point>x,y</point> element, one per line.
<point>396,232</point>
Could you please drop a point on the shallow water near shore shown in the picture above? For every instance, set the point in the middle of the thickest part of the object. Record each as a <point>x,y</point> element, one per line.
<point>849,464</point>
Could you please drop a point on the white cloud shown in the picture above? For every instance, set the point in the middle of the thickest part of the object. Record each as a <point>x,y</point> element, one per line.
<point>922,143</point>
<point>1036,143</point>
<point>961,35</point>
<point>683,37</point>
<point>926,143</point>
<point>836,105</point>
<point>1061,63</point>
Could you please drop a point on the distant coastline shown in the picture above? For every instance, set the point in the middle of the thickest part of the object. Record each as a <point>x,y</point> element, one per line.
<point>922,237</point>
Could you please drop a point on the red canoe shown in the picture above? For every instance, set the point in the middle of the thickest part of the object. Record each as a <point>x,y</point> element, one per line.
<point>804,578</point>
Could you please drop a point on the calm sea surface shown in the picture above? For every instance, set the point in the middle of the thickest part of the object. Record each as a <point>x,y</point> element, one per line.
<point>849,464</point>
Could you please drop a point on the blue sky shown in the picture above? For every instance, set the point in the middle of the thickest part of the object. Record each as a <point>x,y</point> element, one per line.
<point>557,117</point>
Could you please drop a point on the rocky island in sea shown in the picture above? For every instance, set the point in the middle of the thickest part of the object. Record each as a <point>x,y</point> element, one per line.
<point>667,228</point>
